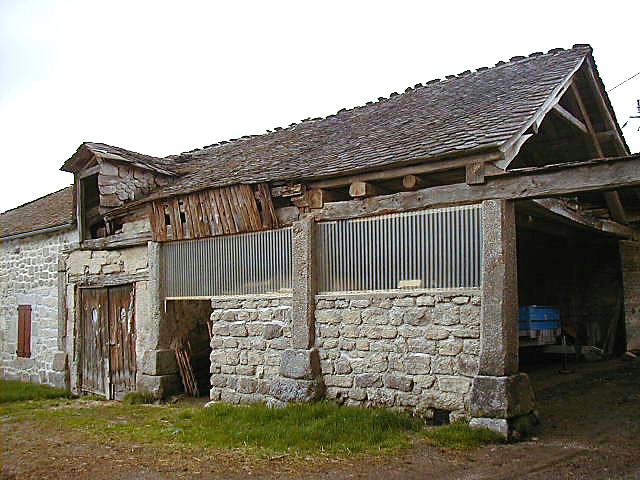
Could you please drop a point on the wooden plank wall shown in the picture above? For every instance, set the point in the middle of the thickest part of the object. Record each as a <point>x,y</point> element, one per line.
<point>213,212</point>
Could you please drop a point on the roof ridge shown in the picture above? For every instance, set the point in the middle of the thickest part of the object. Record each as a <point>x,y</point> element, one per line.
<point>418,86</point>
<point>36,199</point>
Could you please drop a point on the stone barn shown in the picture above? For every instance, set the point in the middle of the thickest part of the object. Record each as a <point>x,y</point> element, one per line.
<point>377,256</point>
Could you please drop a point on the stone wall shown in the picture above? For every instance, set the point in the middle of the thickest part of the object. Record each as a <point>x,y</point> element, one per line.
<point>410,350</point>
<point>121,183</point>
<point>413,350</point>
<point>249,336</point>
<point>29,276</point>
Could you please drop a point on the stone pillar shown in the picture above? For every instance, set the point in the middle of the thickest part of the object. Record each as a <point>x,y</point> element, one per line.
<point>60,363</point>
<point>157,366</point>
<point>300,365</point>
<point>499,393</point>
<point>630,264</point>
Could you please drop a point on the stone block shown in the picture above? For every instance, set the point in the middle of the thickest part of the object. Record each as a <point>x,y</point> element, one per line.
<point>272,331</point>
<point>450,347</point>
<point>420,345</point>
<point>497,425</point>
<point>343,366</point>
<point>417,364</point>
<point>159,362</point>
<point>160,386</point>
<point>247,385</point>
<point>238,330</point>
<point>369,380</point>
<point>404,302</point>
<point>353,317</point>
<point>290,390</point>
<point>435,332</point>
<point>300,364</point>
<point>344,381</point>
<point>425,300</point>
<point>360,303</point>
<point>501,397</point>
<point>397,382</point>
<point>454,384</point>
<point>59,362</point>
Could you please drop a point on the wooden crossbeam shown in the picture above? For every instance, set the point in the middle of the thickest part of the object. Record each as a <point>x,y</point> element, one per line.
<point>526,183</point>
<point>569,117</point>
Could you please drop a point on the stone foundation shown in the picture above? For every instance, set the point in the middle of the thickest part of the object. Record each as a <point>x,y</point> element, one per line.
<point>250,335</point>
<point>412,350</point>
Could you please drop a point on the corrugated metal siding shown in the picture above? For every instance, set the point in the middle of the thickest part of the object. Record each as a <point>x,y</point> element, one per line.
<point>231,265</point>
<point>441,247</point>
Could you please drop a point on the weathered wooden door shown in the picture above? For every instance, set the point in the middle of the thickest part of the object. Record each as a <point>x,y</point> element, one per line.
<point>122,344</point>
<point>94,355</point>
<point>108,354</point>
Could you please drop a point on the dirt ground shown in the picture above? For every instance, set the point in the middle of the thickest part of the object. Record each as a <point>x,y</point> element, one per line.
<point>590,430</point>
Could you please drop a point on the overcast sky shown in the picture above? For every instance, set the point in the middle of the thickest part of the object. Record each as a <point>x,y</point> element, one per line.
<point>164,77</point>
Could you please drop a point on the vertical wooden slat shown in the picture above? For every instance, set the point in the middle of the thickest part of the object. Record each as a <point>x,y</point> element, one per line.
<point>240,214</point>
<point>252,207</point>
<point>23,347</point>
<point>220,220</point>
<point>178,231</point>
<point>205,212</point>
<point>228,213</point>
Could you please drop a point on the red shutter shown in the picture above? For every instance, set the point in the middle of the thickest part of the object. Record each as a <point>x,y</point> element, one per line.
<point>24,331</point>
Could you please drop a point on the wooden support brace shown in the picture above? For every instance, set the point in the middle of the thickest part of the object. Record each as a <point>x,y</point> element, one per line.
<point>413,182</point>
<point>569,117</point>
<point>318,197</point>
<point>475,173</point>
<point>364,189</point>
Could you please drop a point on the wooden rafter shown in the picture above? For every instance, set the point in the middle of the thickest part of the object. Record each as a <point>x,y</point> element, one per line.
<point>614,204</point>
<point>569,117</point>
<point>526,183</point>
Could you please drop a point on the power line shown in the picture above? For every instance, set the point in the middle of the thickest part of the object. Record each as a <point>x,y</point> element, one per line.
<point>622,83</point>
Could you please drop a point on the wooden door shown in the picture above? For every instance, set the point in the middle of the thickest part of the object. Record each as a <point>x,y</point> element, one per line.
<point>108,355</point>
<point>122,344</point>
<point>94,354</point>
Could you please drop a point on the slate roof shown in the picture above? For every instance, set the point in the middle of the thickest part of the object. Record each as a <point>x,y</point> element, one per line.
<point>472,112</point>
<point>469,113</point>
<point>52,210</point>
<point>165,166</point>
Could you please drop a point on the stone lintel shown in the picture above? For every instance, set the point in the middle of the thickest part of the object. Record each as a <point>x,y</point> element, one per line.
<point>499,326</point>
<point>290,390</point>
<point>501,397</point>
<point>300,364</point>
<point>304,287</point>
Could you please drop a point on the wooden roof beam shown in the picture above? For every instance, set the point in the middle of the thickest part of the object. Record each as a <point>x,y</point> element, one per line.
<point>614,204</point>
<point>420,169</point>
<point>554,208</point>
<point>570,118</point>
<point>525,183</point>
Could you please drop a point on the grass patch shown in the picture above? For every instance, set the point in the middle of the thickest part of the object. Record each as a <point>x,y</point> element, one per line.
<point>461,436</point>
<point>309,429</point>
<point>139,398</point>
<point>319,427</point>
<point>15,391</point>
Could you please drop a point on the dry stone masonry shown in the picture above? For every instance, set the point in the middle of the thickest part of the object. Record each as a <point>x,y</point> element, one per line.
<point>409,350</point>
<point>412,350</point>
<point>250,335</point>
<point>29,276</point>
